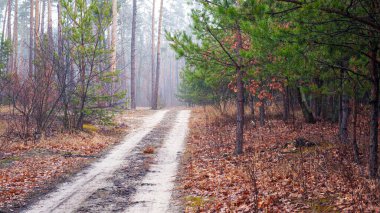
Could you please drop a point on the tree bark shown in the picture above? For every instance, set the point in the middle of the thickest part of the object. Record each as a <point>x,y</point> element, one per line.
<point>31,36</point>
<point>152,56</point>
<point>15,39</point>
<point>354,135</point>
<point>308,115</point>
<point>252,105</point>
<point>9,36</point>
<point>286,113</point>
<point>318,99</point>
<point>4,22</point>
<point>9,24</point>
<point>374,70</point>
<point>113,46</point>
<point>133,57</point>
<point>345,111</point>
<point>158,63</point>
<point>43,17</point>
<point>262,113</point>
<point>240,94</point>
<point>37,23</point>
<point>60,38</point>
<point>343,130</point>
<point>50,24</point>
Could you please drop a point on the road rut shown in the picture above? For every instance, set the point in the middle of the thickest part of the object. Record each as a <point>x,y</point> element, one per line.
<point>126,179</point>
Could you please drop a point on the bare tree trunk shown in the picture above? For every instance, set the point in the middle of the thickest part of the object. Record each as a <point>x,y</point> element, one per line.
<point>60,38</point>
<point>15,39</point>
<point>262,113</point>
<point>345,111</point>
<point>133,57</point>
<point>308,115</point>
<point>9,24</point>
<point>82,71</point>
<point>343,131</point>
<point>318,99</point>
<point>50,24</point>
<point>152,56</point>
<point>4,22</point>
<point>374,70</point>
<point>113,46</point>
<point>9,36</point>
<point>31,36</point>
<point>156,85</point>
<point>286,104</point>
<point>354,135</point>
<point>252,105</point>
<point>43,17</point>
<point>240,94</point>
<point>37,23</point>
<point>63,71</point>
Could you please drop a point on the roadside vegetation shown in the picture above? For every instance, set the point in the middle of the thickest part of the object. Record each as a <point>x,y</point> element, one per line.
<point>296,87</point>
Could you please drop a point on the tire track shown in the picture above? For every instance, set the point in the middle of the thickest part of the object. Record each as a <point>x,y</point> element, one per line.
<point>114,196</point>
<point>154,192</point>
<point>70,195</point>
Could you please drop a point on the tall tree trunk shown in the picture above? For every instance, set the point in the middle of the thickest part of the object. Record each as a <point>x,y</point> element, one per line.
<point>345,111</point>
<point>286,113</point>
<point>9,36</point>
<point>113,46</point>
<point>317,108</point>
<point>240,94</point>
<point>152,56</point>
<point>15,39</point>
<point>60,36</point>
<point>43,17</point>
<point>37,24</point>
<point>62,69</point>
<point>158,63</point>
<point>262,113</point>
<point>252,105</point>
<point>50,24</point>
<point>133,57</point>
<point>9,23</point>
<point>307,114</point>
<point>374,70</point>
<point>4,22</point>
<point>343,130</point>
<point>31,38</point>
<point>354,135</point>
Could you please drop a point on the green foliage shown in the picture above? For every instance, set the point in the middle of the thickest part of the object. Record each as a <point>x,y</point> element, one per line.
<point>85,24</point>
<point>201,87</point>
<point>300,45</point>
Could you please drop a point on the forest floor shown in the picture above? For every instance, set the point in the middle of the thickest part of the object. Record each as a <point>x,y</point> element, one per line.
<point>273,175</point>
<point>31,169</point>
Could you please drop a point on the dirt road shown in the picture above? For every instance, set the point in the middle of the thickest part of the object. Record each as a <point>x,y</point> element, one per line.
<point>127,179</point>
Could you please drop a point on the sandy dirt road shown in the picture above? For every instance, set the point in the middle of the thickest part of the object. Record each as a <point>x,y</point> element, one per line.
<point>127,179</point>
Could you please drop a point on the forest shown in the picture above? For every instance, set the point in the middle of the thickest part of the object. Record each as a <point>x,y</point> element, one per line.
<point>190,106</point>
<point>289,66</point>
